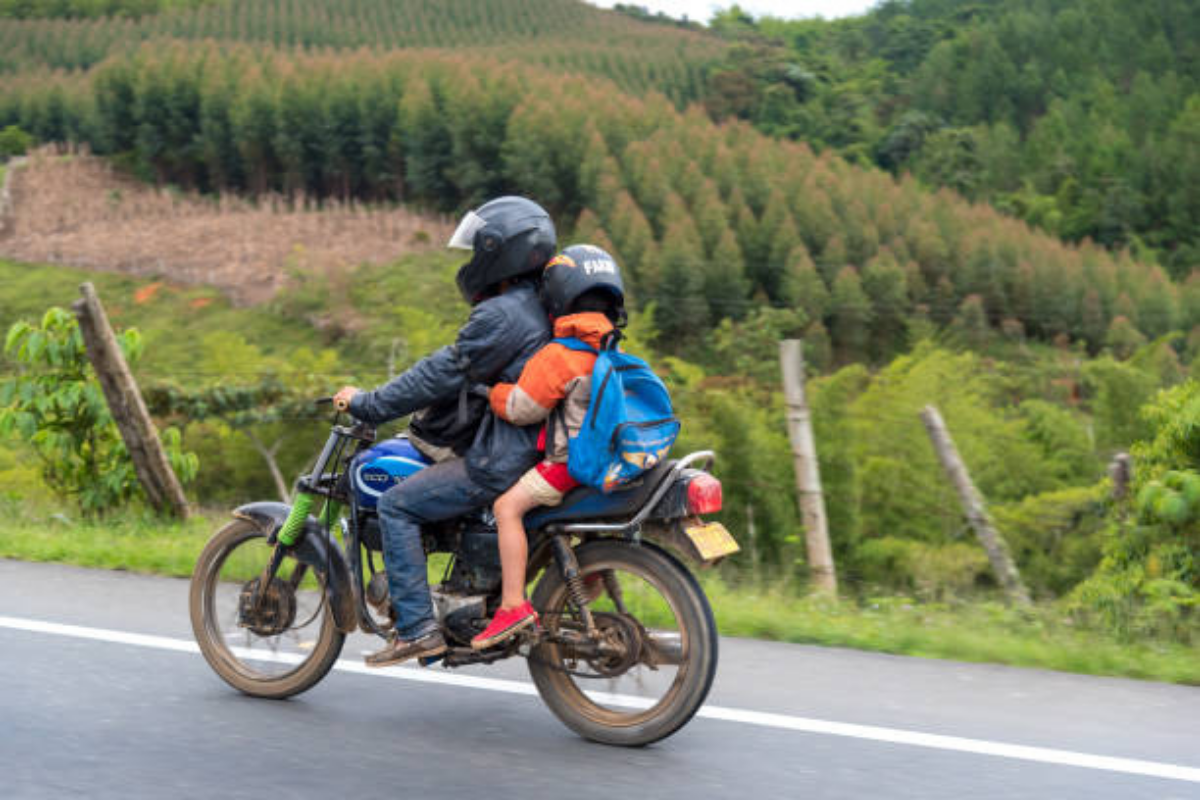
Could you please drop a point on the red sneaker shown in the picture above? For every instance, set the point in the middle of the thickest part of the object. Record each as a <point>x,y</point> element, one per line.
<point>505,624</point>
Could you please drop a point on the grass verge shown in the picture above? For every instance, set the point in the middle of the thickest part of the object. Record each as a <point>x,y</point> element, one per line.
<point>980,632</point>
<point>133,544</point>
<point>968,631</point>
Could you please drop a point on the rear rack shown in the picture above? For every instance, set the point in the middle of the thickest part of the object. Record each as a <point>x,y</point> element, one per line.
<point>707,456</point>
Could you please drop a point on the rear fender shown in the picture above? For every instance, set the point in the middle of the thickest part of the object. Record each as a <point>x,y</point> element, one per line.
<point>318,550</point>
<point>664,534</point>
<point>669,535</point>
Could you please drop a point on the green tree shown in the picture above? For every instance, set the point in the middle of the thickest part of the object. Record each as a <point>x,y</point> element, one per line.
<point>884,283</point>
<point>725,285</point>
<point>971,323</point>
<point>1117,392</point>
<point>14,142</point>
<point>427,147</point>
<point>55,404</point>
<point>681,309</point>
<point>1123,339</point>
<point>852,315</point>
<point>802,287</point>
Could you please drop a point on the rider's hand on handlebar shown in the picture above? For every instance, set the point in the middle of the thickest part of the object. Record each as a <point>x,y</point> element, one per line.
<point>341,400</point>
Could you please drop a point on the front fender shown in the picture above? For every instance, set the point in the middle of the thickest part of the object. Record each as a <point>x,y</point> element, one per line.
<point>318,550</point>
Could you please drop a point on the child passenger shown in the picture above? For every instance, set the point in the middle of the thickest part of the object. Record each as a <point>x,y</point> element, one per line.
<point>583,293</point>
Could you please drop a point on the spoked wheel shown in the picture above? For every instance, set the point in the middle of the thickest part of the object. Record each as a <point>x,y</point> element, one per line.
<point>649,668</point>
<point>273,643</point>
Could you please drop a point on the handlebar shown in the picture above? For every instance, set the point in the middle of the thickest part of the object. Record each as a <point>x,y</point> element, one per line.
<point>324,401</point>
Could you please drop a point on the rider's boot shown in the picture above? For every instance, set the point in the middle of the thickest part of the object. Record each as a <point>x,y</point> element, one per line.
<point>398,650</point>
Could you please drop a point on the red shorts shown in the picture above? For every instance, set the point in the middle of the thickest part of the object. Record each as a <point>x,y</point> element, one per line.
<point>557,476</point>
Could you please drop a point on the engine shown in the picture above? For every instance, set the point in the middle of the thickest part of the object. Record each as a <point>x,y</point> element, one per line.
<point>459,601</point>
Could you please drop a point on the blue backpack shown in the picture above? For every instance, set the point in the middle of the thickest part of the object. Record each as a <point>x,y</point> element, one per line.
<point>629,426</point>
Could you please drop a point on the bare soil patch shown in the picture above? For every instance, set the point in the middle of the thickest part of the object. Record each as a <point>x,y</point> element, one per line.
<point>76,210</point>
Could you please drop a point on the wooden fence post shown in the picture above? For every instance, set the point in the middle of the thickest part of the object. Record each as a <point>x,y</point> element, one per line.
<point>1120,471</point>
<point>974,507</point>
<point>162,487</point>
<point>808,476</point>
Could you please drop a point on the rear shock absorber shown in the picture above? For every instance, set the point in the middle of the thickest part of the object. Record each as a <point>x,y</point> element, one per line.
<point>569,565</point>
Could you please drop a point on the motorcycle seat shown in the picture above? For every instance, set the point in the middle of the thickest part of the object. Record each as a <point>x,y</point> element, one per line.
<point>585,503</point>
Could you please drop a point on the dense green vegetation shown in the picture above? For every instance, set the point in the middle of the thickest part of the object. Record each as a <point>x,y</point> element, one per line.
<point>75,9</point>
<point>560,35</point>
<point>54,403</point>
<point>1035,423</point>
<point>1079,116</point>
<point>13,142</point>
<point>1045,358</point>
<point>712,222</point>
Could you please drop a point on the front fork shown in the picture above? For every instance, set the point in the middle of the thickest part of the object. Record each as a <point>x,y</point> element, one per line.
<point>288,535</point>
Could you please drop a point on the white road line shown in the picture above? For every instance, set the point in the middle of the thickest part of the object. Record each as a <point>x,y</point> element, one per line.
<point>1129,766</point>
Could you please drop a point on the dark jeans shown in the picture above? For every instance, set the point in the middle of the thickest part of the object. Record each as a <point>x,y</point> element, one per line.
<point>440,492</point>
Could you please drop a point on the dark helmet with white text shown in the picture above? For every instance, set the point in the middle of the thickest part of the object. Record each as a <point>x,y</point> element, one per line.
<point>509,237</point>
<point>580,273</point>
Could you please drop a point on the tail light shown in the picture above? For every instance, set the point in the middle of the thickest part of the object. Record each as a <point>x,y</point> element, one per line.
<point>704,494</point>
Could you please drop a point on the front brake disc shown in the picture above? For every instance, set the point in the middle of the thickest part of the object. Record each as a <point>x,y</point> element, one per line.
<point>276,609</point>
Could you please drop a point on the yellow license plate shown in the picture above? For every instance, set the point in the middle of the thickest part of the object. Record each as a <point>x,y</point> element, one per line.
<point>712,540</point>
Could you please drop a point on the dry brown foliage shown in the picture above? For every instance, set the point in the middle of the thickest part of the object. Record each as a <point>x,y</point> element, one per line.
<point>76,210</point>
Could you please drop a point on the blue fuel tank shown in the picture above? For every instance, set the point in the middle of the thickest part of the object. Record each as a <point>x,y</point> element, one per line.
<point>381,467</point>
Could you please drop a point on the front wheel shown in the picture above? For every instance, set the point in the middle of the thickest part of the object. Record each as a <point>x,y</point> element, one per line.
<point>273,643</point>
<point>658,653</point>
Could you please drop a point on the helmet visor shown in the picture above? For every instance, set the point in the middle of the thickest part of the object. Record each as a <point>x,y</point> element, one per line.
<point>464,235</point>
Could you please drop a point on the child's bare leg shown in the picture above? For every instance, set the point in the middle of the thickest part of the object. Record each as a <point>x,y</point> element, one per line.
<point>510,510</point>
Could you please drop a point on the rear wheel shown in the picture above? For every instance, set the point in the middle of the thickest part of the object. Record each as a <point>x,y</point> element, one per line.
<point>659,645</point>
<point>274,643</point>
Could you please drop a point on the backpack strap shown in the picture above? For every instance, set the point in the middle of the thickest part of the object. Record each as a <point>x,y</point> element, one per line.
<point>558,415</point>
<point>571,343</point>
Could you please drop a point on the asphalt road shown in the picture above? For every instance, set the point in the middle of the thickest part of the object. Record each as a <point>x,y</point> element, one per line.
<point>85,712</point>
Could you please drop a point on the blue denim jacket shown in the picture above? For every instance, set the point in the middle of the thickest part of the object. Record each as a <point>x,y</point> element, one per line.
<point>501,334</point>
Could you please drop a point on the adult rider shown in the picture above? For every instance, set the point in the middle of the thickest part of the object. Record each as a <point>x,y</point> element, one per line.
<point>511,239</point>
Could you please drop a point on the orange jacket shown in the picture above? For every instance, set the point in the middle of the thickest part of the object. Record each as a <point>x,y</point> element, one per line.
<point>555,375</point>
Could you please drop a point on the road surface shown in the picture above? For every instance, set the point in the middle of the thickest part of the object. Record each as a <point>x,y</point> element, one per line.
<point>102,694</point>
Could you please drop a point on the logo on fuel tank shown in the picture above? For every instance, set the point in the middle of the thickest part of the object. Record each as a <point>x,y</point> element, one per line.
<point>376,475</point>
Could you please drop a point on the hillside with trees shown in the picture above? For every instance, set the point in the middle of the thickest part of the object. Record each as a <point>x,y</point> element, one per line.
<point>714,223</point>
<point>776,220</point>
<point>1078,116</point>
<point>558,35</point>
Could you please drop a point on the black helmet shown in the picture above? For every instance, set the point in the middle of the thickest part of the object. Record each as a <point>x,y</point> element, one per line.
<point>581,269</point>
<point>509,236</point>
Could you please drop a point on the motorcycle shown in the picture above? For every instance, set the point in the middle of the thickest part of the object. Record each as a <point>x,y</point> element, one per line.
<point>626,650</point>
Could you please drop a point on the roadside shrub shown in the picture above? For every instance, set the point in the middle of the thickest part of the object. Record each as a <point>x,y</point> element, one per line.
<point>930,572</point>
<point>1056,537</point>
<point>14,142</point>
<point>1149,579</point>
<point>55,405</point>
